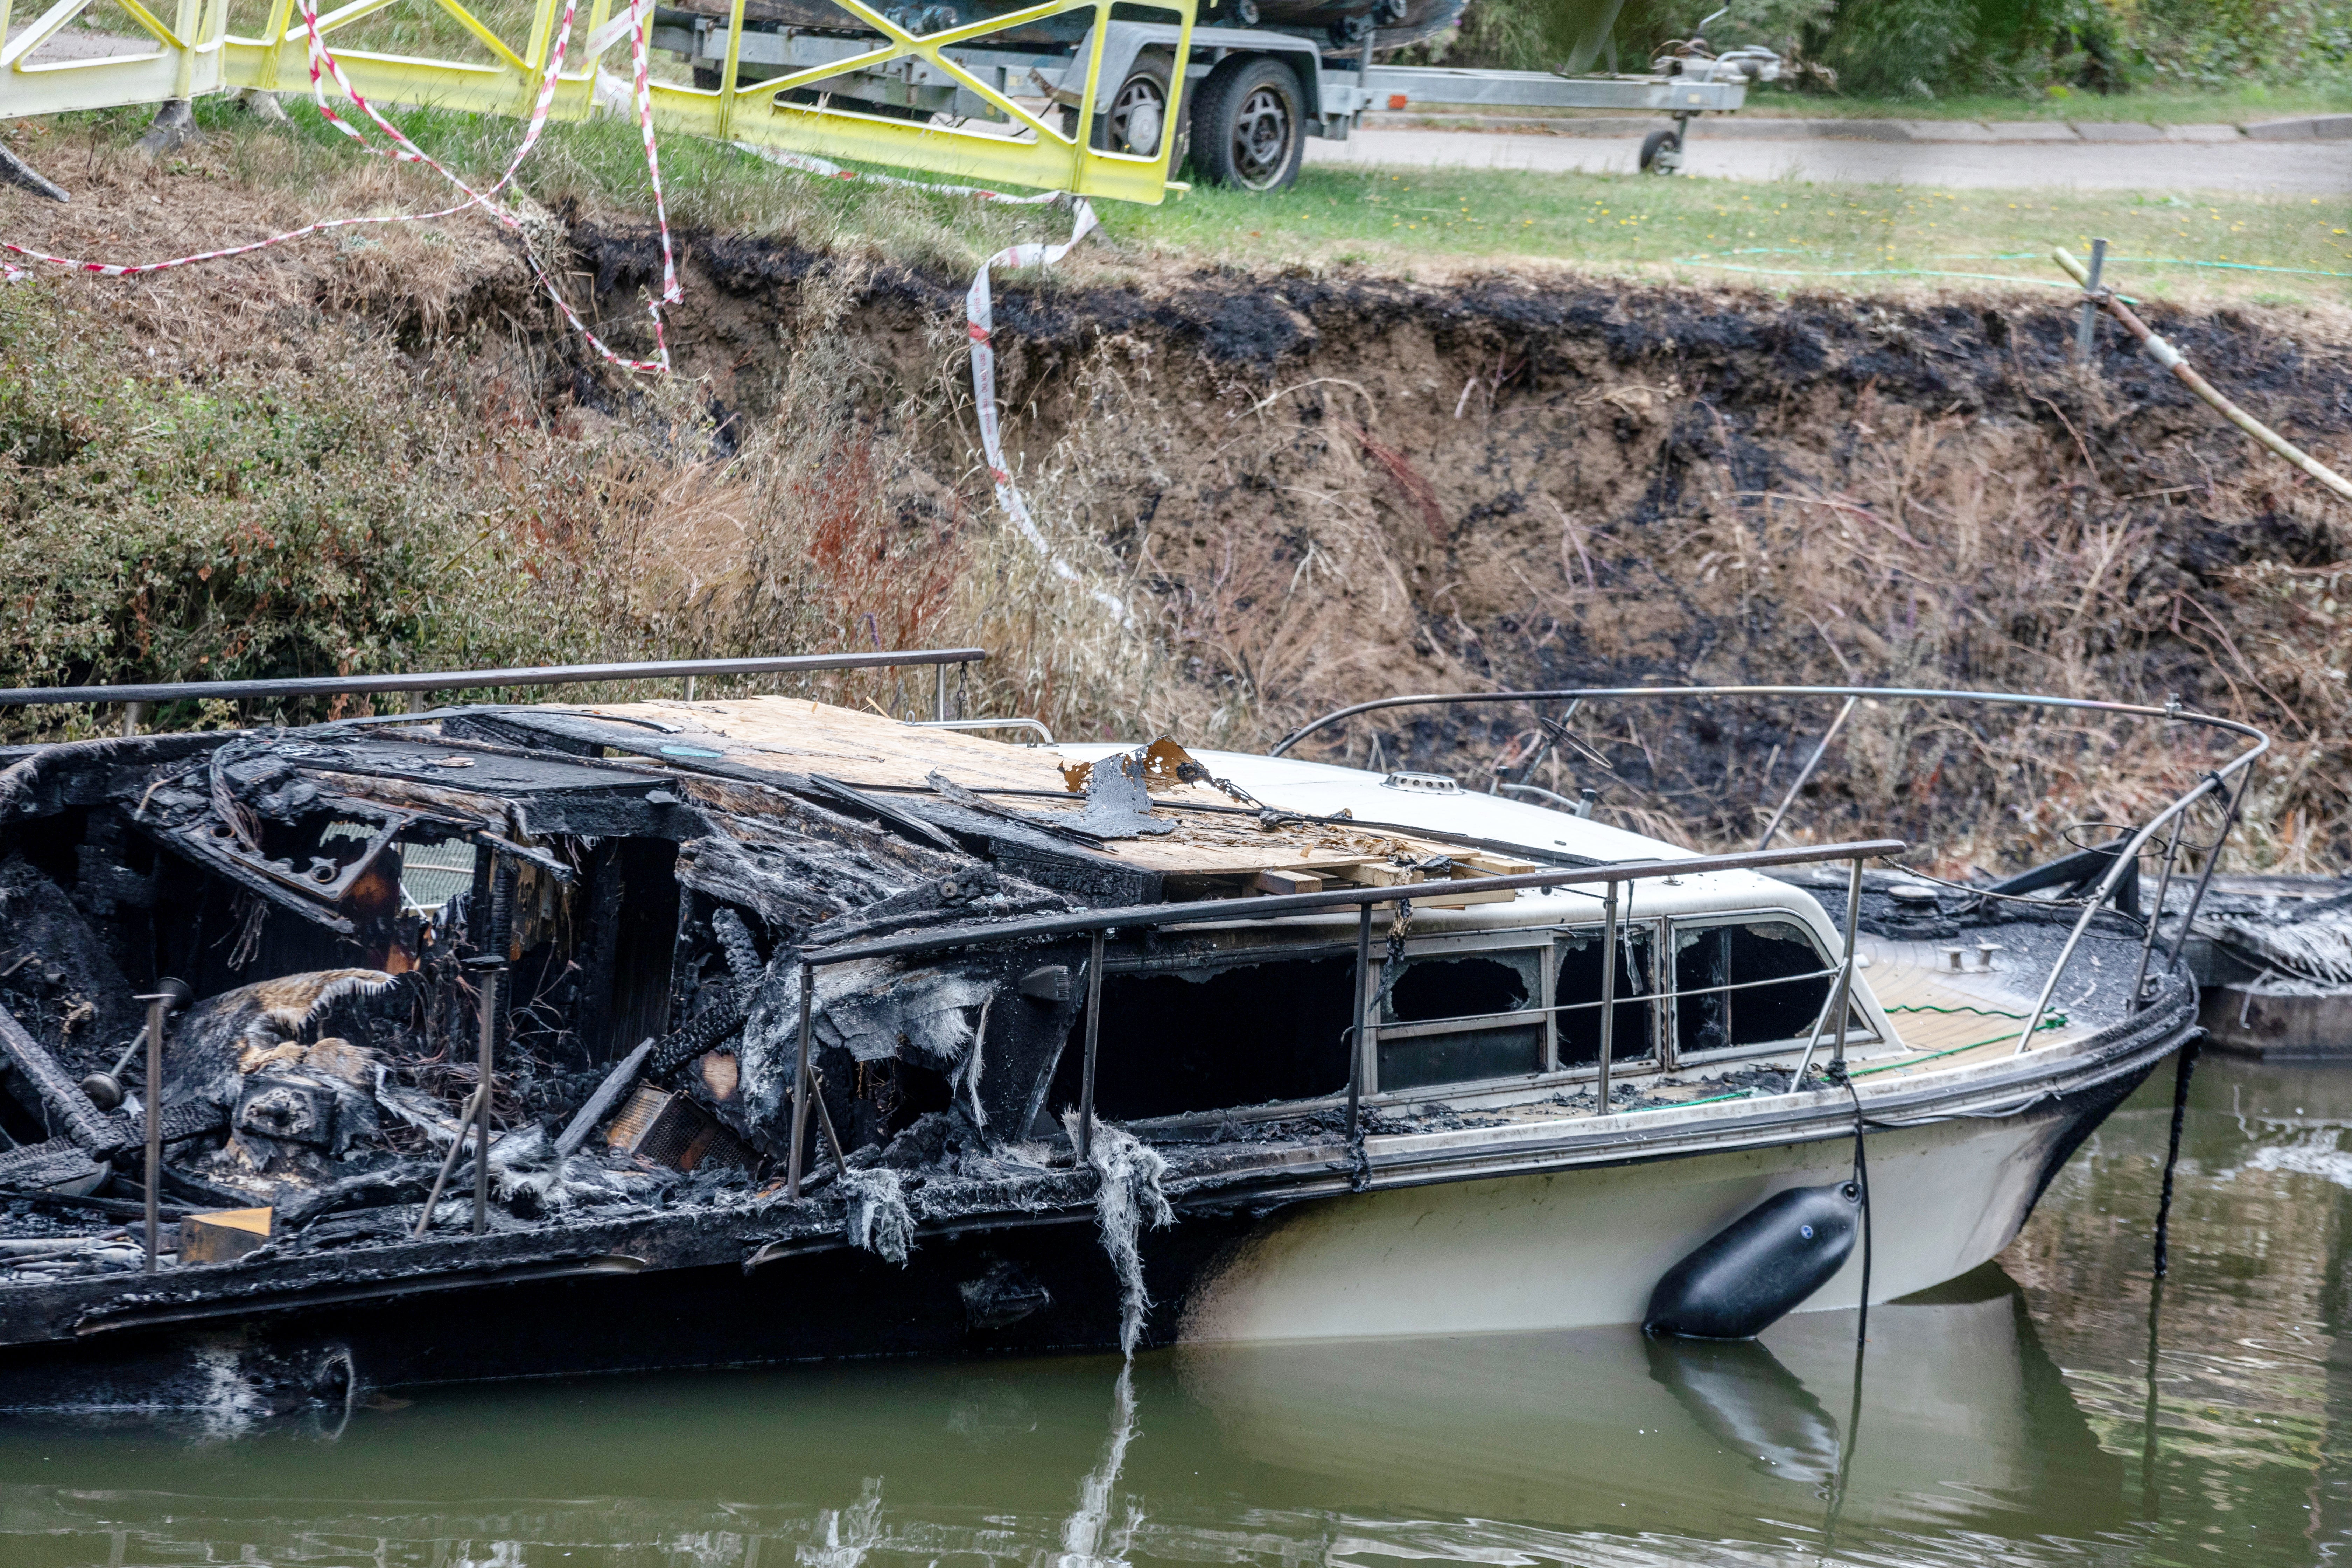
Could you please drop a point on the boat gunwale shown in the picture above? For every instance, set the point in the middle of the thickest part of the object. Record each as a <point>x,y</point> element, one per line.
<point>1295,1173</point>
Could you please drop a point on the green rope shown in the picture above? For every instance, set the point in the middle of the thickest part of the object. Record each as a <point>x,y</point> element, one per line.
<point>1686,1104</point>
<point>1930,1007</point>
<point>2055,1021</point>
<point>2051,1021</point>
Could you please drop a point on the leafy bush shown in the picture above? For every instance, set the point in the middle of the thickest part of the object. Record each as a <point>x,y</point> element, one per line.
<point>1933,48</point>
<point>229,524</point>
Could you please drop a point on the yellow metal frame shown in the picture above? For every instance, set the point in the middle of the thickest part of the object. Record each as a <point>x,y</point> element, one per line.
<point>195,54</point>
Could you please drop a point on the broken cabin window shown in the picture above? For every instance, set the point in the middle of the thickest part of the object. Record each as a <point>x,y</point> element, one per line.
<point>433,874</point>
<point>1577,994</point>
<point>1193,1041</point>
<point>1455,1017</point>
<point>1749,983</point>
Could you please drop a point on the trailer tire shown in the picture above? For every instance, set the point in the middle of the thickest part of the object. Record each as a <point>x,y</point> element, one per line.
<point>1662,152</point>
<point>1136,121</point>
<point>1249,125</point>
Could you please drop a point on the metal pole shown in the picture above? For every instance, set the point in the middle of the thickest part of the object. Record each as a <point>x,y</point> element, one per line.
<point>2205,876</point>
<point>2155,915</point>
<point>1806,772</point>
<point>448,1164</point>
<point>801,1082</point>
<point>484,1059</point>
<point>418,701</point>
<point>2089,322</point>
<point>939,692</point>
<point>154,1182</point>
<point>131,713</point>
<point>2106,890</point>
<point>689,688</point>
<point>1094,1031</point>
<point>1846,970</point>
<point>1608,989</point>
<point>1356,1036</point>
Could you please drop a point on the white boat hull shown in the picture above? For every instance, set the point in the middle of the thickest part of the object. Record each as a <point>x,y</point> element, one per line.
<point>1578,1248</point>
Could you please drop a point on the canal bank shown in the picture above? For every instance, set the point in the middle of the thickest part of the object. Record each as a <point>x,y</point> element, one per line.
<point>2011,1416</point>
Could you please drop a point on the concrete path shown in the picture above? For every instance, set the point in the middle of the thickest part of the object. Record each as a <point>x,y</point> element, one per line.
<point>2306,167</point>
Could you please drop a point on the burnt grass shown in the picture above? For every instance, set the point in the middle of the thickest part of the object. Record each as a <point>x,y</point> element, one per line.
<point>1337,487</point>
<point>1310,487</point>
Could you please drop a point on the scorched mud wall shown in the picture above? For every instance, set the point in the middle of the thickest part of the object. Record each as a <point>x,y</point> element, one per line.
<point>1311,490</point>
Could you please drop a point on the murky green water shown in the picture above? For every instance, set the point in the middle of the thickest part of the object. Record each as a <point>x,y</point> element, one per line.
<point>2012,1419</point>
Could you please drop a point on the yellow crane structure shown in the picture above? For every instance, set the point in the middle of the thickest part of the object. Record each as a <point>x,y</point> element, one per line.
<point>57,62</point>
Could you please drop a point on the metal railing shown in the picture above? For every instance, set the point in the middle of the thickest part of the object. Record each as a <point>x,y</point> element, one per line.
<point>2126,852</point>
<point>136,699</point>
<point>1096,924</point>
<point>188,51</point>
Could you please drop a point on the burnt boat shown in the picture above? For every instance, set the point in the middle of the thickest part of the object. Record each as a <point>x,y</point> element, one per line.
<point>555,1038</point>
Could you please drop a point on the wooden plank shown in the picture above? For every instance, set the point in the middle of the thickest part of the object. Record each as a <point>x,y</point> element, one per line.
<point>1271,880</point>
<point>1380,874</point>
<point>796,735</point>
<point>223,1235</point>
<point>1490,863</point>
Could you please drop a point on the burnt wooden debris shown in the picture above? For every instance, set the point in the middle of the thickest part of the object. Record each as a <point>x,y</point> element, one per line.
<point>626,888</point>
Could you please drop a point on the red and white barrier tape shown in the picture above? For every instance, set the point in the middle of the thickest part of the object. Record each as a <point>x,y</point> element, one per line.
<point>978,304</point>
<point>979,317</point>
<point>399,148</point>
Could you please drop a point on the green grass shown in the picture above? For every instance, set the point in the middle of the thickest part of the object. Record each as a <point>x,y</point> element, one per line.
<point>1778,233</point>
<point>1779,230</point>
<point>2219,106</point>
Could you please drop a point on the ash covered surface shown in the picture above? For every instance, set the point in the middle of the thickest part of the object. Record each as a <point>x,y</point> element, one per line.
<point>633,925</point>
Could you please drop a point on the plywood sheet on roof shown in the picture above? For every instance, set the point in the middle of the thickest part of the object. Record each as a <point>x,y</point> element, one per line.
<point>795,735</point>
<point>789,734</point>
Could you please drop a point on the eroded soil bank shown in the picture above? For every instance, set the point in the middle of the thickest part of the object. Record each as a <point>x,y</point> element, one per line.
<point>1258,498</point>
<point>1316,489</point>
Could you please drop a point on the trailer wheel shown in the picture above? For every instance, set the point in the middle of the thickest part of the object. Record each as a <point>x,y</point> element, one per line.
<point>1662,152</point>
<point>1137,119</point>
<point>1249,125</point>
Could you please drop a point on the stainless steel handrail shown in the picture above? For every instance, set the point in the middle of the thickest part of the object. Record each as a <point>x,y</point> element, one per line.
<point>1892,693</point>
<point>2215,781</point>
<point>1094,923</point>
<point>418,682</point>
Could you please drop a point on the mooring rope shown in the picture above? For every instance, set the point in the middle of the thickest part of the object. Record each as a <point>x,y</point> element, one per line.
<point>2184,1068</point>
<point>1837,1074</point>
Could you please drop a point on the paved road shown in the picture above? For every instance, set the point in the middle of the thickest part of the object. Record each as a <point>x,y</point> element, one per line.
<point>2307,168</point>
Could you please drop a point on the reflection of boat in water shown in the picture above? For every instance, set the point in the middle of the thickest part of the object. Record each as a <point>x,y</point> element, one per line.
<point>1964,1422</point>
<point>1464,1448</point>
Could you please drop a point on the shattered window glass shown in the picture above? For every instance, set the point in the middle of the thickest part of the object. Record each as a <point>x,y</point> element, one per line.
<point>1436,992</point>
<point>1467,987</point>
<point>1635,1033</point>
<point>1756,982</point>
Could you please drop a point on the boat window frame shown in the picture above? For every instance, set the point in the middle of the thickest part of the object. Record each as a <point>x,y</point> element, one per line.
<point>1537,940</point>
<point>1860,1029</point>
<point>1544,939</point>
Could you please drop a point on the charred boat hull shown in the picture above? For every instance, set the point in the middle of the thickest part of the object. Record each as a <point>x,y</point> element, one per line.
<point>1568,1247</point>
<point>791,1065</point>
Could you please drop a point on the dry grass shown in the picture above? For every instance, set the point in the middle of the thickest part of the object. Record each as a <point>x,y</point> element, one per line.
<point>1389,511</point>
